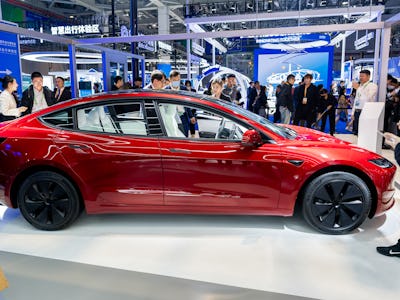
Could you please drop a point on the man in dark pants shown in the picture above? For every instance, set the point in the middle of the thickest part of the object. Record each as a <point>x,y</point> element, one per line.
<point>393,141</point>
<point>328,105</point>
<point>306,106</point>
<point>285,99</point>
<point>255,91</point>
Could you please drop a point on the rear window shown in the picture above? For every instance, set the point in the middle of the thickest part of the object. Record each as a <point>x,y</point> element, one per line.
<point>62,119</point>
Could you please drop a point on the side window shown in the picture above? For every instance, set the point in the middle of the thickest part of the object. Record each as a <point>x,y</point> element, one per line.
<point>62,119</point>
<point>122,118</point>
<point>190,122</point>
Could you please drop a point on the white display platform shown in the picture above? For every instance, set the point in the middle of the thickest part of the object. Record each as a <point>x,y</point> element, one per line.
<point>371,121</point>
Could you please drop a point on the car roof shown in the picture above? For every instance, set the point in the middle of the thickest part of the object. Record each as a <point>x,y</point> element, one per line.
<point>148,93</point>
<point>121,94</point>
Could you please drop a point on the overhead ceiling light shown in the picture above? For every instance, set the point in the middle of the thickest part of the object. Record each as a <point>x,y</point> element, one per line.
<point>224,26</point>
<point>269,6</point>
<point>310,4</point>
<point>63,57</point>
<point>345,3</point>
<point>213,9</point>
<point>249,6</point>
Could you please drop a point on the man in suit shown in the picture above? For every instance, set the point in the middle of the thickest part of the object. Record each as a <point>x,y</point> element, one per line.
<point>37,96</point>
<point>254,93</point>
<point>307,102</point>
<point>61,93</point>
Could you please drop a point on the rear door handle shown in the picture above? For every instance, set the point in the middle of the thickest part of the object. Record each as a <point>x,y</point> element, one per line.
<point>77,146</point>
<point>175,150</point>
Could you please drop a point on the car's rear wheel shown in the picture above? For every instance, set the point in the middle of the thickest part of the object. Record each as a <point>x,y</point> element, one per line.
<point>336,202</point>
<point>48,200</point>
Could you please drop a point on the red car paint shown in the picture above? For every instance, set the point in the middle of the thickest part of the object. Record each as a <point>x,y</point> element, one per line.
<point>159,174</point>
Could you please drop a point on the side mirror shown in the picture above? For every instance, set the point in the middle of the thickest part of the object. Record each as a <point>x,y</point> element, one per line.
<point>251,139</point>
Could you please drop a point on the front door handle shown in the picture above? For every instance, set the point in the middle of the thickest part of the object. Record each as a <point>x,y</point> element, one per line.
<point>175,150</point>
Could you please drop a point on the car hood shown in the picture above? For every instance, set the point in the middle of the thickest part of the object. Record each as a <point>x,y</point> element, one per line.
<point>310,135</point>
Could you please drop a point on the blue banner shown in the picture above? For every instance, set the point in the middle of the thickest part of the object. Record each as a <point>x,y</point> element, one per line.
<point>394,67</point>
<point>9,57</point>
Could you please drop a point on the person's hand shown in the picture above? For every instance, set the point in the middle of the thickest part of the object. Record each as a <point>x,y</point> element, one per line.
<point>391,139</point>
<point>352,117</point>
<point>398,125</point>
<point>22,109</point>
<point>193,120</point>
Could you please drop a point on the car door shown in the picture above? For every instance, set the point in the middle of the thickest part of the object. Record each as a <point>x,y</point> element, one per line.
<point>113,147</point>
<point>213,169</point>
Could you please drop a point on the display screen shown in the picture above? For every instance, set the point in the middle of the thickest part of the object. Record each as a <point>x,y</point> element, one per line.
<point>85,85</point>
<point>273,66</point>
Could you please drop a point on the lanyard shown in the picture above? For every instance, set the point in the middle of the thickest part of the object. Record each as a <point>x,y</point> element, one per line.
<point>361,87</point>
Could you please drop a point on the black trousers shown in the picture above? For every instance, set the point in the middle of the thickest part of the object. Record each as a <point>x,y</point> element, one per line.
<point>332,124</point>
<point>357,114</point>
<point>309,117</point>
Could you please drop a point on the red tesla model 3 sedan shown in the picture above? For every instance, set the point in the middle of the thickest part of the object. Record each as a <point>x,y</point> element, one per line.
<point>135,152</point>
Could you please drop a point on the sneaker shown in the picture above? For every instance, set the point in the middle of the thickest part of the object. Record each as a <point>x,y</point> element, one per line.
<point>390,251</point>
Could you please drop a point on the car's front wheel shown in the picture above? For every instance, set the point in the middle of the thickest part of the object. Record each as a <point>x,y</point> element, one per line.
<point>336,202</point>
<point>48,200</point>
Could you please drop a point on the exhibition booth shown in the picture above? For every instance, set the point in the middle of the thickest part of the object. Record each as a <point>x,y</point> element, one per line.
<point>201,256</point>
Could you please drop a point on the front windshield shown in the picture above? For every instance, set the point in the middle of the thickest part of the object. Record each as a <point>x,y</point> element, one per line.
<point>280,130</point>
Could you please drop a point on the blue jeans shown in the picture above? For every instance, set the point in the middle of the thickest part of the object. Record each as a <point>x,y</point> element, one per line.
<point>285,114</point>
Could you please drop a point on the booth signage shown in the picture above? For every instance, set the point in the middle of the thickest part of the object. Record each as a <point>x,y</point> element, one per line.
<point>75,29</point>
<point>149,45</point>
<point>293,38</point>
<point>9,56</point>
<point>164,46</point>
<point>196,48</point>
<point>362,42</point>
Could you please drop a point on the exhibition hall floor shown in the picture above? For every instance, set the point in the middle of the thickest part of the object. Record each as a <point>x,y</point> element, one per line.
<point>197,257</point>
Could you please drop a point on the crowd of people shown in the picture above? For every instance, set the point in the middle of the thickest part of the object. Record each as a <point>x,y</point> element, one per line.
<point>34,98</point>
<point>305,104</point>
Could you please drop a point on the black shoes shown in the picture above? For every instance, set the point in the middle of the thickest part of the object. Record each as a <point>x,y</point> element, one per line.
<point>390,251</point>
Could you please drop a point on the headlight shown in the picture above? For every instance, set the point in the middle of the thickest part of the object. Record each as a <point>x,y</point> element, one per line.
<point>382,162</point>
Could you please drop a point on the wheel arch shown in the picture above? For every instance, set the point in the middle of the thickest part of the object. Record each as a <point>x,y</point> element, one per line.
<point>39,168</point>
<point>341,168</point>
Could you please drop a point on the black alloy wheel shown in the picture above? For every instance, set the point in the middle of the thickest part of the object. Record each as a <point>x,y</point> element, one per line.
<point>336,202</point>
<point>48,201</point>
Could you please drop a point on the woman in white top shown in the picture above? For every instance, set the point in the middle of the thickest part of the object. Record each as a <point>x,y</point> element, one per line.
<point>8,103</point>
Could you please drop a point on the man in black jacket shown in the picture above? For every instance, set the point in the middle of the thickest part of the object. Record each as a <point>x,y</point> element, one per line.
<point>308,99</point>
<point>327,107</point>
<point>254,92</point>
<point>36,96</point>
<point>285,99</point>
<point>61,93</point>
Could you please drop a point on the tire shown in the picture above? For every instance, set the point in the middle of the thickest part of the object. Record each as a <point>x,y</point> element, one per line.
<point>336,203</point>
<point>48,201</point>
